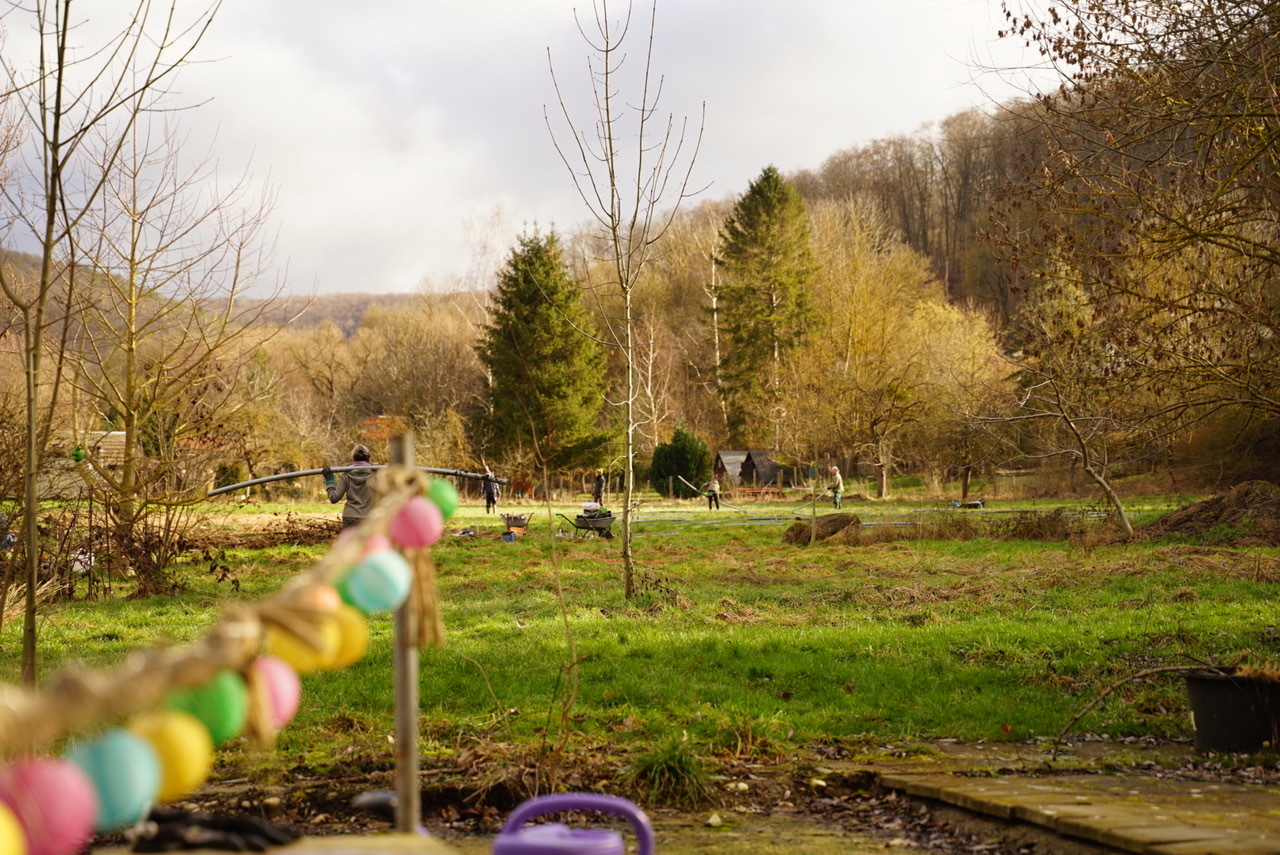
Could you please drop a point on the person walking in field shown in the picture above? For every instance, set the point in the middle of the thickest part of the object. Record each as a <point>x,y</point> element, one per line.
<point>597,488</point>
<point>355,485</point>
<point>713,494</point>
<point>836,487</point>
<point>489,489</point>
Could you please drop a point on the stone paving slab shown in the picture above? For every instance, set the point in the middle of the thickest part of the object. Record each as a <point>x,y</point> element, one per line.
<point>1248,846</point>
<point>1135,814</point>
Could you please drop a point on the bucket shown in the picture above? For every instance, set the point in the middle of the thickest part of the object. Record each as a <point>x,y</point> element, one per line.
<point>554,838</point>
<point>1233,713</point>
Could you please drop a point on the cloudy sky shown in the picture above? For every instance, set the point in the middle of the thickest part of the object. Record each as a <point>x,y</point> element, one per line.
<point>404,137</point>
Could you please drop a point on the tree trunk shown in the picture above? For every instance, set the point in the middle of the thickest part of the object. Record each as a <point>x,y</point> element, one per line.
<point>31,498</point>
<point>629,450</point>
<point>884,470</point>
<point>714,296</point>
<point>1100,478</point>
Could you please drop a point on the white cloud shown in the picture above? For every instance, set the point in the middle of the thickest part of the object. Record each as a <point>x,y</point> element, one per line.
<point>387,127</point>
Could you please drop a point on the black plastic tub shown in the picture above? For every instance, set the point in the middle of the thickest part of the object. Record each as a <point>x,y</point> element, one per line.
<point>1232,713</point>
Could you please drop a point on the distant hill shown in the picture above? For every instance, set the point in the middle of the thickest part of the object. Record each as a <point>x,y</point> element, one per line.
<point>344,310</point>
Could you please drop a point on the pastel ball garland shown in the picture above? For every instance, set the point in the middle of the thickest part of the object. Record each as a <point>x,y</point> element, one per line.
<point>51,806</point>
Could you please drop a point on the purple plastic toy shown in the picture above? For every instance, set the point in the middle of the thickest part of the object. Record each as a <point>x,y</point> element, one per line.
<point>554,838</point>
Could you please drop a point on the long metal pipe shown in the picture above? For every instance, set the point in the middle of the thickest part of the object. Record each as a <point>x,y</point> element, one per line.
<point>726,504</point>
<point>284,476</point>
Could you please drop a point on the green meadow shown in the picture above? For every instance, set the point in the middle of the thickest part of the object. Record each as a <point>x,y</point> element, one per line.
<point>738,646</point>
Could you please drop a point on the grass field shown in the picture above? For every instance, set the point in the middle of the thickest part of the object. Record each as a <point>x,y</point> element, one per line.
<point>740,646</point>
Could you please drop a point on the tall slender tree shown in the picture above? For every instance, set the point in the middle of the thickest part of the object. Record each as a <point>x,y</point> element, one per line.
<point>624,184</point>
<point>767,261</point>
<point>547,379</point>
<point>75,101</point>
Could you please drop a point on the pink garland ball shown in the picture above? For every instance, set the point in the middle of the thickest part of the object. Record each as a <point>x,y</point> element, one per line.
<point>54,803</point>
<point>375,543</point>
<point>125,774</point>
<point>283,688</point>
<point>419,523</point>
<point>12,840</point>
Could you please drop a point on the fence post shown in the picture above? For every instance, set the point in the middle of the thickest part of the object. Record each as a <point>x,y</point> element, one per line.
<point>408,787</point>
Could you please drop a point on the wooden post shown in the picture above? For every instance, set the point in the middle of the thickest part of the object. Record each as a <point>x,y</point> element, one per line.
<point>405,669</point>
<point>671,486</point>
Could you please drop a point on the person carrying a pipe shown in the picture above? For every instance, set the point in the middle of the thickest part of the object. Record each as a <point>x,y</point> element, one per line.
<point>489,488</point>
<point>713,493</point>
<point>355,485</point>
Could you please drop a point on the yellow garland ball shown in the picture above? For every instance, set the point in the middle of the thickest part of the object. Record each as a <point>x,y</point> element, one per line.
<point>300,655</point>
<point>354,632</point>
<point>184,747</point>
<point>12,840</point>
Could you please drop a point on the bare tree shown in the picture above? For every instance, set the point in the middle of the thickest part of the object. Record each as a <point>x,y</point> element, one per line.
<point>625,167</point>
<point>67,95</point>
<point>1157,163</point>
<point>1081,396</point>
<point>161,338</point>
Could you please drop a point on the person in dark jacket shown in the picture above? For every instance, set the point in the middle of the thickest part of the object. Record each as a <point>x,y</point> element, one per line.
<point>489,487</point>
<point>356,485</point>
<point>597,488</point>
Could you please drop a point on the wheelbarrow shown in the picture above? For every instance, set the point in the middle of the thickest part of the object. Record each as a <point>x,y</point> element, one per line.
<point>600,524</point>
<point>514,521</point>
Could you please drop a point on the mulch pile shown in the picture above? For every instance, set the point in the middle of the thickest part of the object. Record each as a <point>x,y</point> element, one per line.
<point>1246,515</point>
<point>827,525</point>
<point>277,530</point>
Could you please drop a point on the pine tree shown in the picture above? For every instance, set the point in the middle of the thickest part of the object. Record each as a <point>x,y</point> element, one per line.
<point>768,262</point>
<point>547,378</point>
<point>687,457</point>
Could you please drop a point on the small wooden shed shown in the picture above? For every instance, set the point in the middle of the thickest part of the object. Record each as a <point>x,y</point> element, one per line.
<point>728,467</point>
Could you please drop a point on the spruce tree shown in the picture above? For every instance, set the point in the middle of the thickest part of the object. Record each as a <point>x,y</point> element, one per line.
<point>687,457</point>
<point>547,379</point>
<point>765,309</point>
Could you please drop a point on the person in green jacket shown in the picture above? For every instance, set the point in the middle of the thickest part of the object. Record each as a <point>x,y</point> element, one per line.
<point>356,485</point>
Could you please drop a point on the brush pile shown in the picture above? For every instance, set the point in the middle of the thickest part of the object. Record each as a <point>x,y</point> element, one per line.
<point>1246,515</point>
